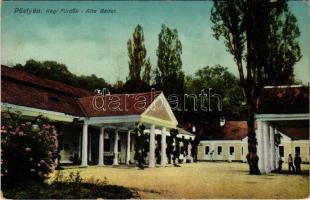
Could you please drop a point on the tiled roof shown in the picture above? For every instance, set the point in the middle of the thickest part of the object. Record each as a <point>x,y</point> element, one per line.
<point>300,133</point>
<point>284,100</point>
<point>232,130</point>
<point>24,77</point>
<point>24,89</point>
<point>124,104</point>
<point>38,97</point>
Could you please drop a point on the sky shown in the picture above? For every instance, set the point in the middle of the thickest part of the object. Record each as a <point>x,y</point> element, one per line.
<point>96,43</point>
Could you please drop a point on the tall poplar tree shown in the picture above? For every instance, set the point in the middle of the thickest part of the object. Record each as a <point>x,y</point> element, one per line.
<point>169,75</point>
<point>262,37</point>
<point>139,66</point>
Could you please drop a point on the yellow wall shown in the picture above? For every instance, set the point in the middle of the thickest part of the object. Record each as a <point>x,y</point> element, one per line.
<point>289,148</point>
<point>213,145</point>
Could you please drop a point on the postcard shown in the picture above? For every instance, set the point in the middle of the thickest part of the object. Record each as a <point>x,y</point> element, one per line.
<point>155,99</point>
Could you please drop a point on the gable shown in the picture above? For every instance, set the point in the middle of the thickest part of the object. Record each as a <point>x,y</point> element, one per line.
<point>160,109</point>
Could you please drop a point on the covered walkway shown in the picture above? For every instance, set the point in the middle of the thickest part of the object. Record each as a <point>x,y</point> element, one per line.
<point>281,108</point>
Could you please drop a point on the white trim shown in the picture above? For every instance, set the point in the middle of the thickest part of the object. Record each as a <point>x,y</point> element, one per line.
<point>114,119</point>
<point>33,112</point>
<point>207,156</point>
<point>219,156</point>
<point>282,117</point>
<point>159,132</point>
<point>157,122</point>
<point>221,141</point>
<point>231,155</point>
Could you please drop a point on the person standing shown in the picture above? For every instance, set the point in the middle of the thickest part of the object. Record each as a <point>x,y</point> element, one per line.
<point>297,163</point>
<point>290,163</point>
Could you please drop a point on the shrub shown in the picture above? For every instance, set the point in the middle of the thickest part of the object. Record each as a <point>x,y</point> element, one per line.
<point>141,145</point>
<point>71,186</point>
<point>27,148</point>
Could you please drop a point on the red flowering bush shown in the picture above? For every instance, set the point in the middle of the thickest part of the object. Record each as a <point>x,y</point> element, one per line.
<point>27,148</point>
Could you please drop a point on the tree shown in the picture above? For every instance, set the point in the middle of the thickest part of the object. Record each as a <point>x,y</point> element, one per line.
<point>171,150</point>
<point>219,81</point>
<point>141,145</point>
<point>262,37</point>
<point>59,72</point>
<point>50,70</point>
<point>169,74</point>
<point>137,57</point>
<point>146,78</point>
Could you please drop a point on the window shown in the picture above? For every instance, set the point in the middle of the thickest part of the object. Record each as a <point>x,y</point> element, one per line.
<point>242,151</point>
<point>297,150</point>
<point>219,150</point>
<point>107,145</point>
<point>281,151</point>
<point>231,150</point>
<point>207,149</point>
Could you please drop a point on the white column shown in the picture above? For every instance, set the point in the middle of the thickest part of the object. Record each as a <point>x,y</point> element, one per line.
<point>260,146</point>
<point>128,148</point>
<point>89,147</point>
<point>80,144</point>
<point>101,147</point>
<point>152,146</point>
<point>163,160</point>
<point>84,145</point>
<point>266,146</point>
<point>272,149</point>
<point>115,159</point>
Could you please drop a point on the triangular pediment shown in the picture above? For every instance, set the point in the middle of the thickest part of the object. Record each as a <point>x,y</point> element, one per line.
<point>161,110</point>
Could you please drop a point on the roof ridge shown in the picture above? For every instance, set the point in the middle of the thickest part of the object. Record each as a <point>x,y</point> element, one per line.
<point>139,93</point>
<point>81,107</point>
<point>45,82</point>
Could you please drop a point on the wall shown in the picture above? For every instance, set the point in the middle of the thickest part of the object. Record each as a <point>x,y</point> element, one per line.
<point>225,144</point>
<point>289,148</point>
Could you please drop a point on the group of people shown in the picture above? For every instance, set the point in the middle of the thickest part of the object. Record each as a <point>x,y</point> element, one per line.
<point>294,164</point>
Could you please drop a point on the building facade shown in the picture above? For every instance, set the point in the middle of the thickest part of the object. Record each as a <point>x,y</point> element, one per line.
<point>92,128</point>
<point>226,143</point>
<point>230,143</point>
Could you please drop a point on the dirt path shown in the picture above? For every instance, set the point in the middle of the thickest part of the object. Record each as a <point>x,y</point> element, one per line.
<point>203,180</point>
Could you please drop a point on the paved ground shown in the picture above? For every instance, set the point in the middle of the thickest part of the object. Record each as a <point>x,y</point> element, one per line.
<point>203,180</point>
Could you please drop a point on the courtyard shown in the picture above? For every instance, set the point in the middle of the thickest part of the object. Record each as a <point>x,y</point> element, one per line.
<point>202,180</point>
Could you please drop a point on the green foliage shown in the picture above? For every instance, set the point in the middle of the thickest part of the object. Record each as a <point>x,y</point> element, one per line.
<point>169,74</point>
<point>132,86</point>
<point>141,145</point>
<point>146,78</point>
<point>72,186</point>
<point>137,57</point>
<point>223,83</point>
<point>283,46</point>
<point>170,145</point>
<point>59,72</point>
<point>27,148</point>
<point>262,36</point>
